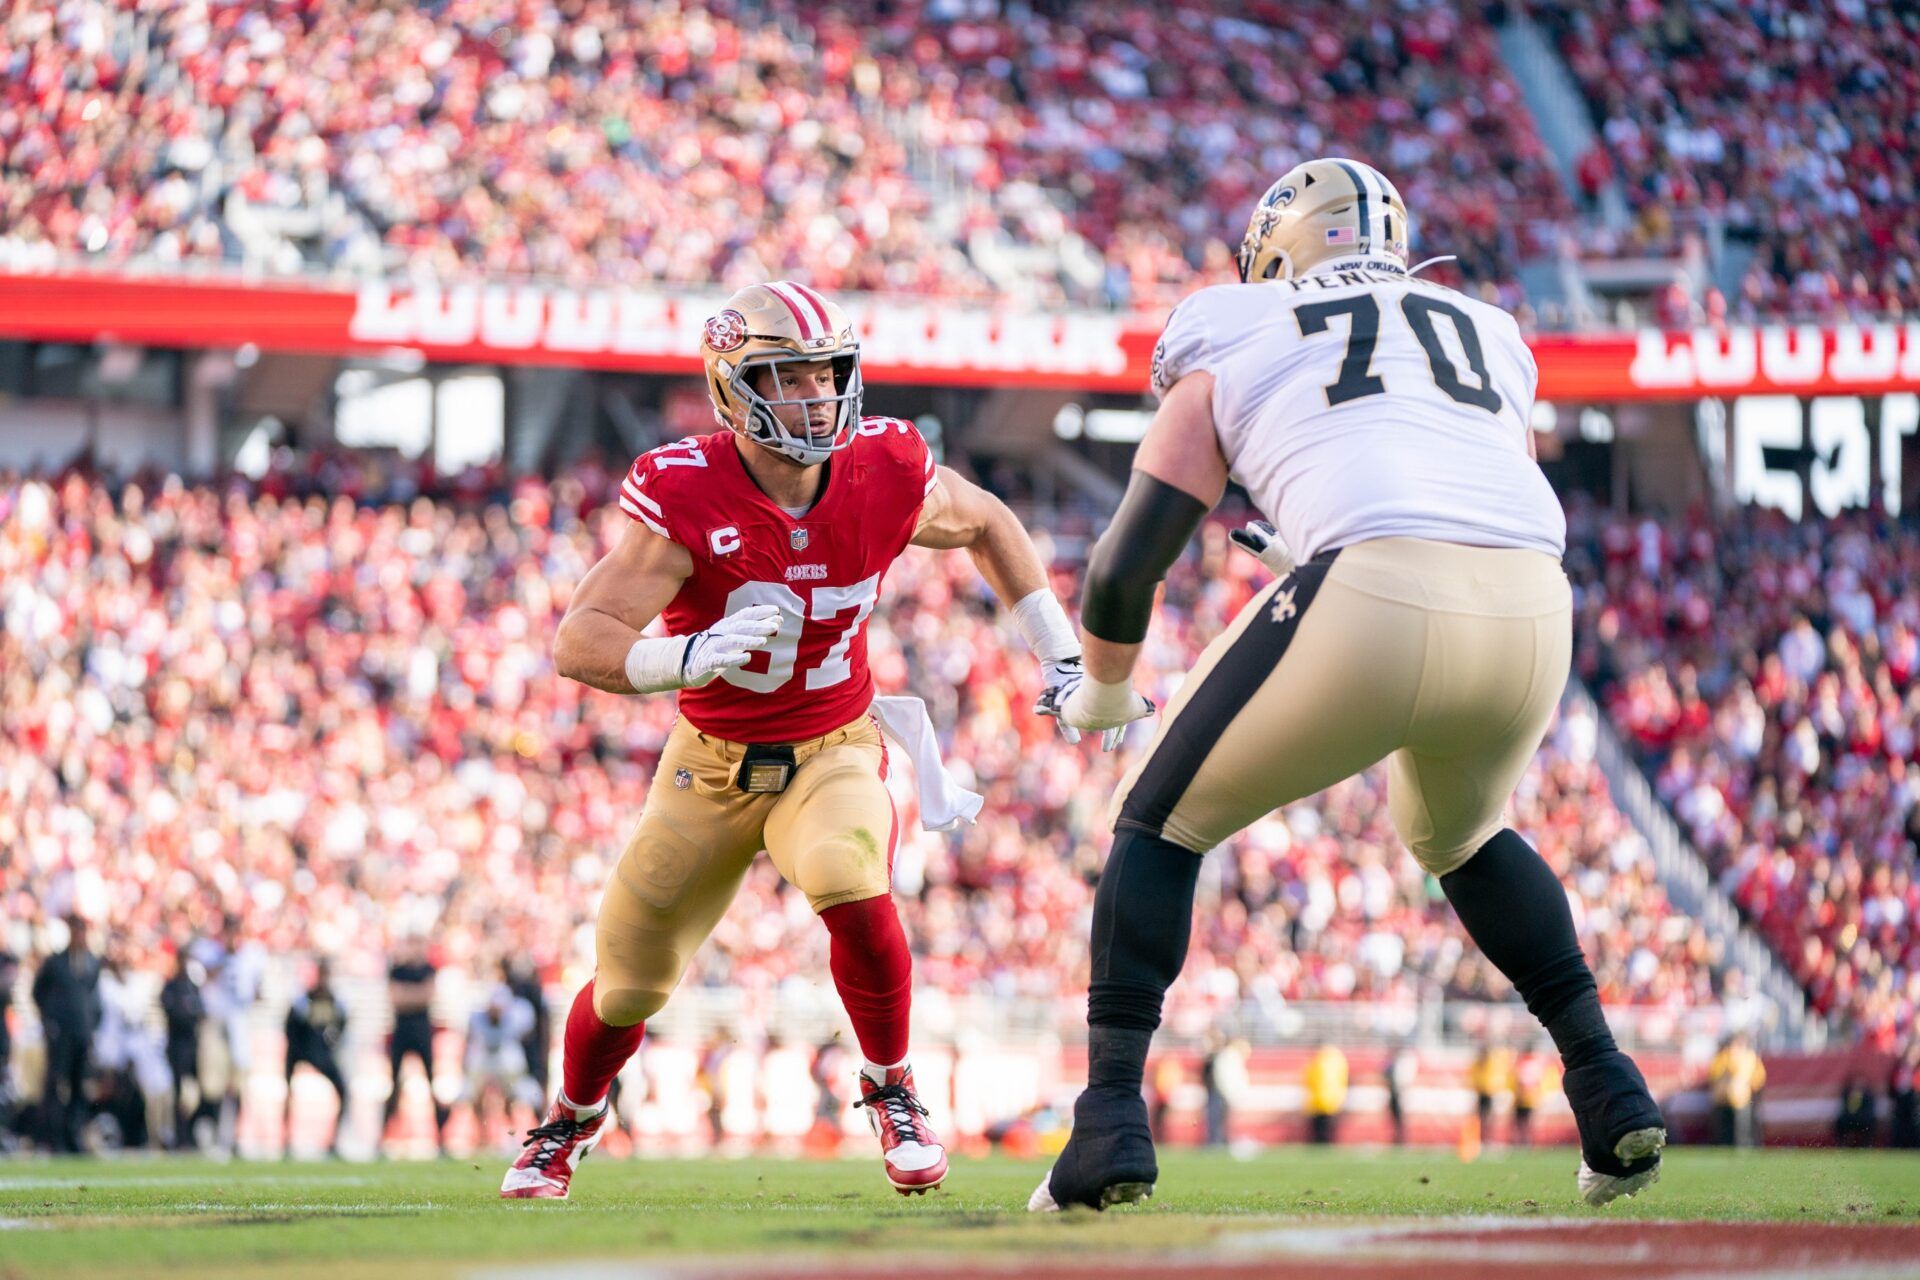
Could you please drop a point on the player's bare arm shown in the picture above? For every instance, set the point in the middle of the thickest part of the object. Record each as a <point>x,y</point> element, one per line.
<point>600,639</point>
<point>959,514</point>
<point>1178,475</point>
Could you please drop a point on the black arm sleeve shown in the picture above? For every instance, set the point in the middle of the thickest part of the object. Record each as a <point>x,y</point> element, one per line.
<point>1148,532</point>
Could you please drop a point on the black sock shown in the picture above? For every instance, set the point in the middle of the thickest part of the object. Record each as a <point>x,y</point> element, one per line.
<point>1516,912</point>
<point>1142,919</point>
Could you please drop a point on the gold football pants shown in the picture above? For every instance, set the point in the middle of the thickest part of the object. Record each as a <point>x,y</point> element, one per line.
<point>830,834</point>
<point>1445,660</point>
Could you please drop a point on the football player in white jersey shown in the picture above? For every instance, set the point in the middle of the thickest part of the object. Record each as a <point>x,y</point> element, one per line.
<point>1382,423</point>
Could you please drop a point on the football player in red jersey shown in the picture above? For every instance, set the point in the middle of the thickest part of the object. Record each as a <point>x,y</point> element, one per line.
<point>761,548</point>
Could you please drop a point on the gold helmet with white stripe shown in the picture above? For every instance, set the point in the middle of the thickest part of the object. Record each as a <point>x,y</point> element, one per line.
<point>764,326</point>
<point>1321,210</point>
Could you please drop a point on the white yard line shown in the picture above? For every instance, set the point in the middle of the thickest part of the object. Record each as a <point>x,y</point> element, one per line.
<point>107,1181</point>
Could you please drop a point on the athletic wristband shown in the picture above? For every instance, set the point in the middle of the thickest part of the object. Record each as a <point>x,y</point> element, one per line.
<point>655,665</point>
<point>1043,625</point>
<point>1108,702</point>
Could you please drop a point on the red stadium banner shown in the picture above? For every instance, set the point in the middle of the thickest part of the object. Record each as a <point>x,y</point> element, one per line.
<point>943,344</point>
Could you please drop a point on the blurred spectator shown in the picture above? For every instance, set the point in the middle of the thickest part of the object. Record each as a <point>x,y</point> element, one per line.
<point>410,981</point>
<point>1778,126</point>
<point>1075,152</point>
<point>316,1026</point>
<point>66,991</point>
<point>1764,672</point>
<point>1326,1086</point>
<point>1735,1078</point>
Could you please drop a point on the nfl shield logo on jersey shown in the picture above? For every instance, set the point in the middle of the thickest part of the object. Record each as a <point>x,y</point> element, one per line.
<point>798,539</point>
<point>682,779</point>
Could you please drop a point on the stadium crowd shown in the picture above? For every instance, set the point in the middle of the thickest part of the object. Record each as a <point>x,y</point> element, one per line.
<point>715,142</point>
<point>1787,123</point>
<point>885,146</point>
<point>1764,670</point>
<point>869,145</point>
<point>240,722</point>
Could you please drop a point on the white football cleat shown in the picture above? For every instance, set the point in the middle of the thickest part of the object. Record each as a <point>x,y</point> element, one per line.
<point>1603,1188</point>
<point>552,1151</point>
<point>1042,1201</point>
<point>916,1163</point>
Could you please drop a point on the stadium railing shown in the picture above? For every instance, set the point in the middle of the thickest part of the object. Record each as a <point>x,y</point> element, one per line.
<point>1684,873</point>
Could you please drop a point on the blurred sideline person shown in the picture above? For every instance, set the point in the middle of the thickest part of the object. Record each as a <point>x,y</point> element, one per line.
<point>1421,616</point>
<point>1857,1121</point>
<point>1401,1069</point>
<point>1735,1078</point>
<point>1491,1076</point>
<point>1224,1075</point>
<point>9,974</point>
<point>133,1085</point>
<point>1168,1077</point>
<point>185,1013</point>
<point>410,989</point>
<point>66,991</point>
<point>497,1072</point>
<point>523,979</point>
<point>1534,1080</point>
<point>1326,1086</point>
<point>1903,1097</point>
<point>316,1027</point>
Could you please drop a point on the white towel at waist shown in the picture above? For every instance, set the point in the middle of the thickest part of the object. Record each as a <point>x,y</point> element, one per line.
<point>944,803</point>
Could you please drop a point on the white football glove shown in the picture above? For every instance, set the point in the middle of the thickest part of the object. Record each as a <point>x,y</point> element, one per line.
<point>1259,537</point>
<point>1083,704</point>
<point>1056,682</point>
<point>728,643</point>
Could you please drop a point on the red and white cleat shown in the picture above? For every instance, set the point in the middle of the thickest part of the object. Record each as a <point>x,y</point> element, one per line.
<point>552,1151</point>
<point>916,1162</point>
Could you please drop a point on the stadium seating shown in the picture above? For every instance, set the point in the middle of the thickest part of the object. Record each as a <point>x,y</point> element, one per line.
<point>1076,153</point>
<point>1787,123</point>
<point>866,146</point>
<point>335,723</point>
<point>1764,671</point>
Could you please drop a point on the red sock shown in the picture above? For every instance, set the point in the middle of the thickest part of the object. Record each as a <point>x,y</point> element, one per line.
<point>594,1051</point>
<point>874,973</point>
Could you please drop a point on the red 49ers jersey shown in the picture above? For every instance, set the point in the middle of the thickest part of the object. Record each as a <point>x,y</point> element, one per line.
<point>823,569</point>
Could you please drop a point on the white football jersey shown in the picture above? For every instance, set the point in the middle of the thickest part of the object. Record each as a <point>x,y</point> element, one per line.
<point>1358,402</point>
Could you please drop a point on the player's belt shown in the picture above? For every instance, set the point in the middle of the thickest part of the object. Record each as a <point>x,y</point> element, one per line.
<point>766,768</point>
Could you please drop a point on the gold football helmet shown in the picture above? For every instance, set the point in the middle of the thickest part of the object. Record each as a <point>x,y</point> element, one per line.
<point>765,326</point>
<point>1320,210</point>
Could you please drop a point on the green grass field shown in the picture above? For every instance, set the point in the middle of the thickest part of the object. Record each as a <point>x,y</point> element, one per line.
<point>141,1218</point>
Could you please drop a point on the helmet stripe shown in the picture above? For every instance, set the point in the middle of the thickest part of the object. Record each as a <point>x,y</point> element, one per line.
<point>1366,221</point>
<point>776,289</point>
<point>813,300</point>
